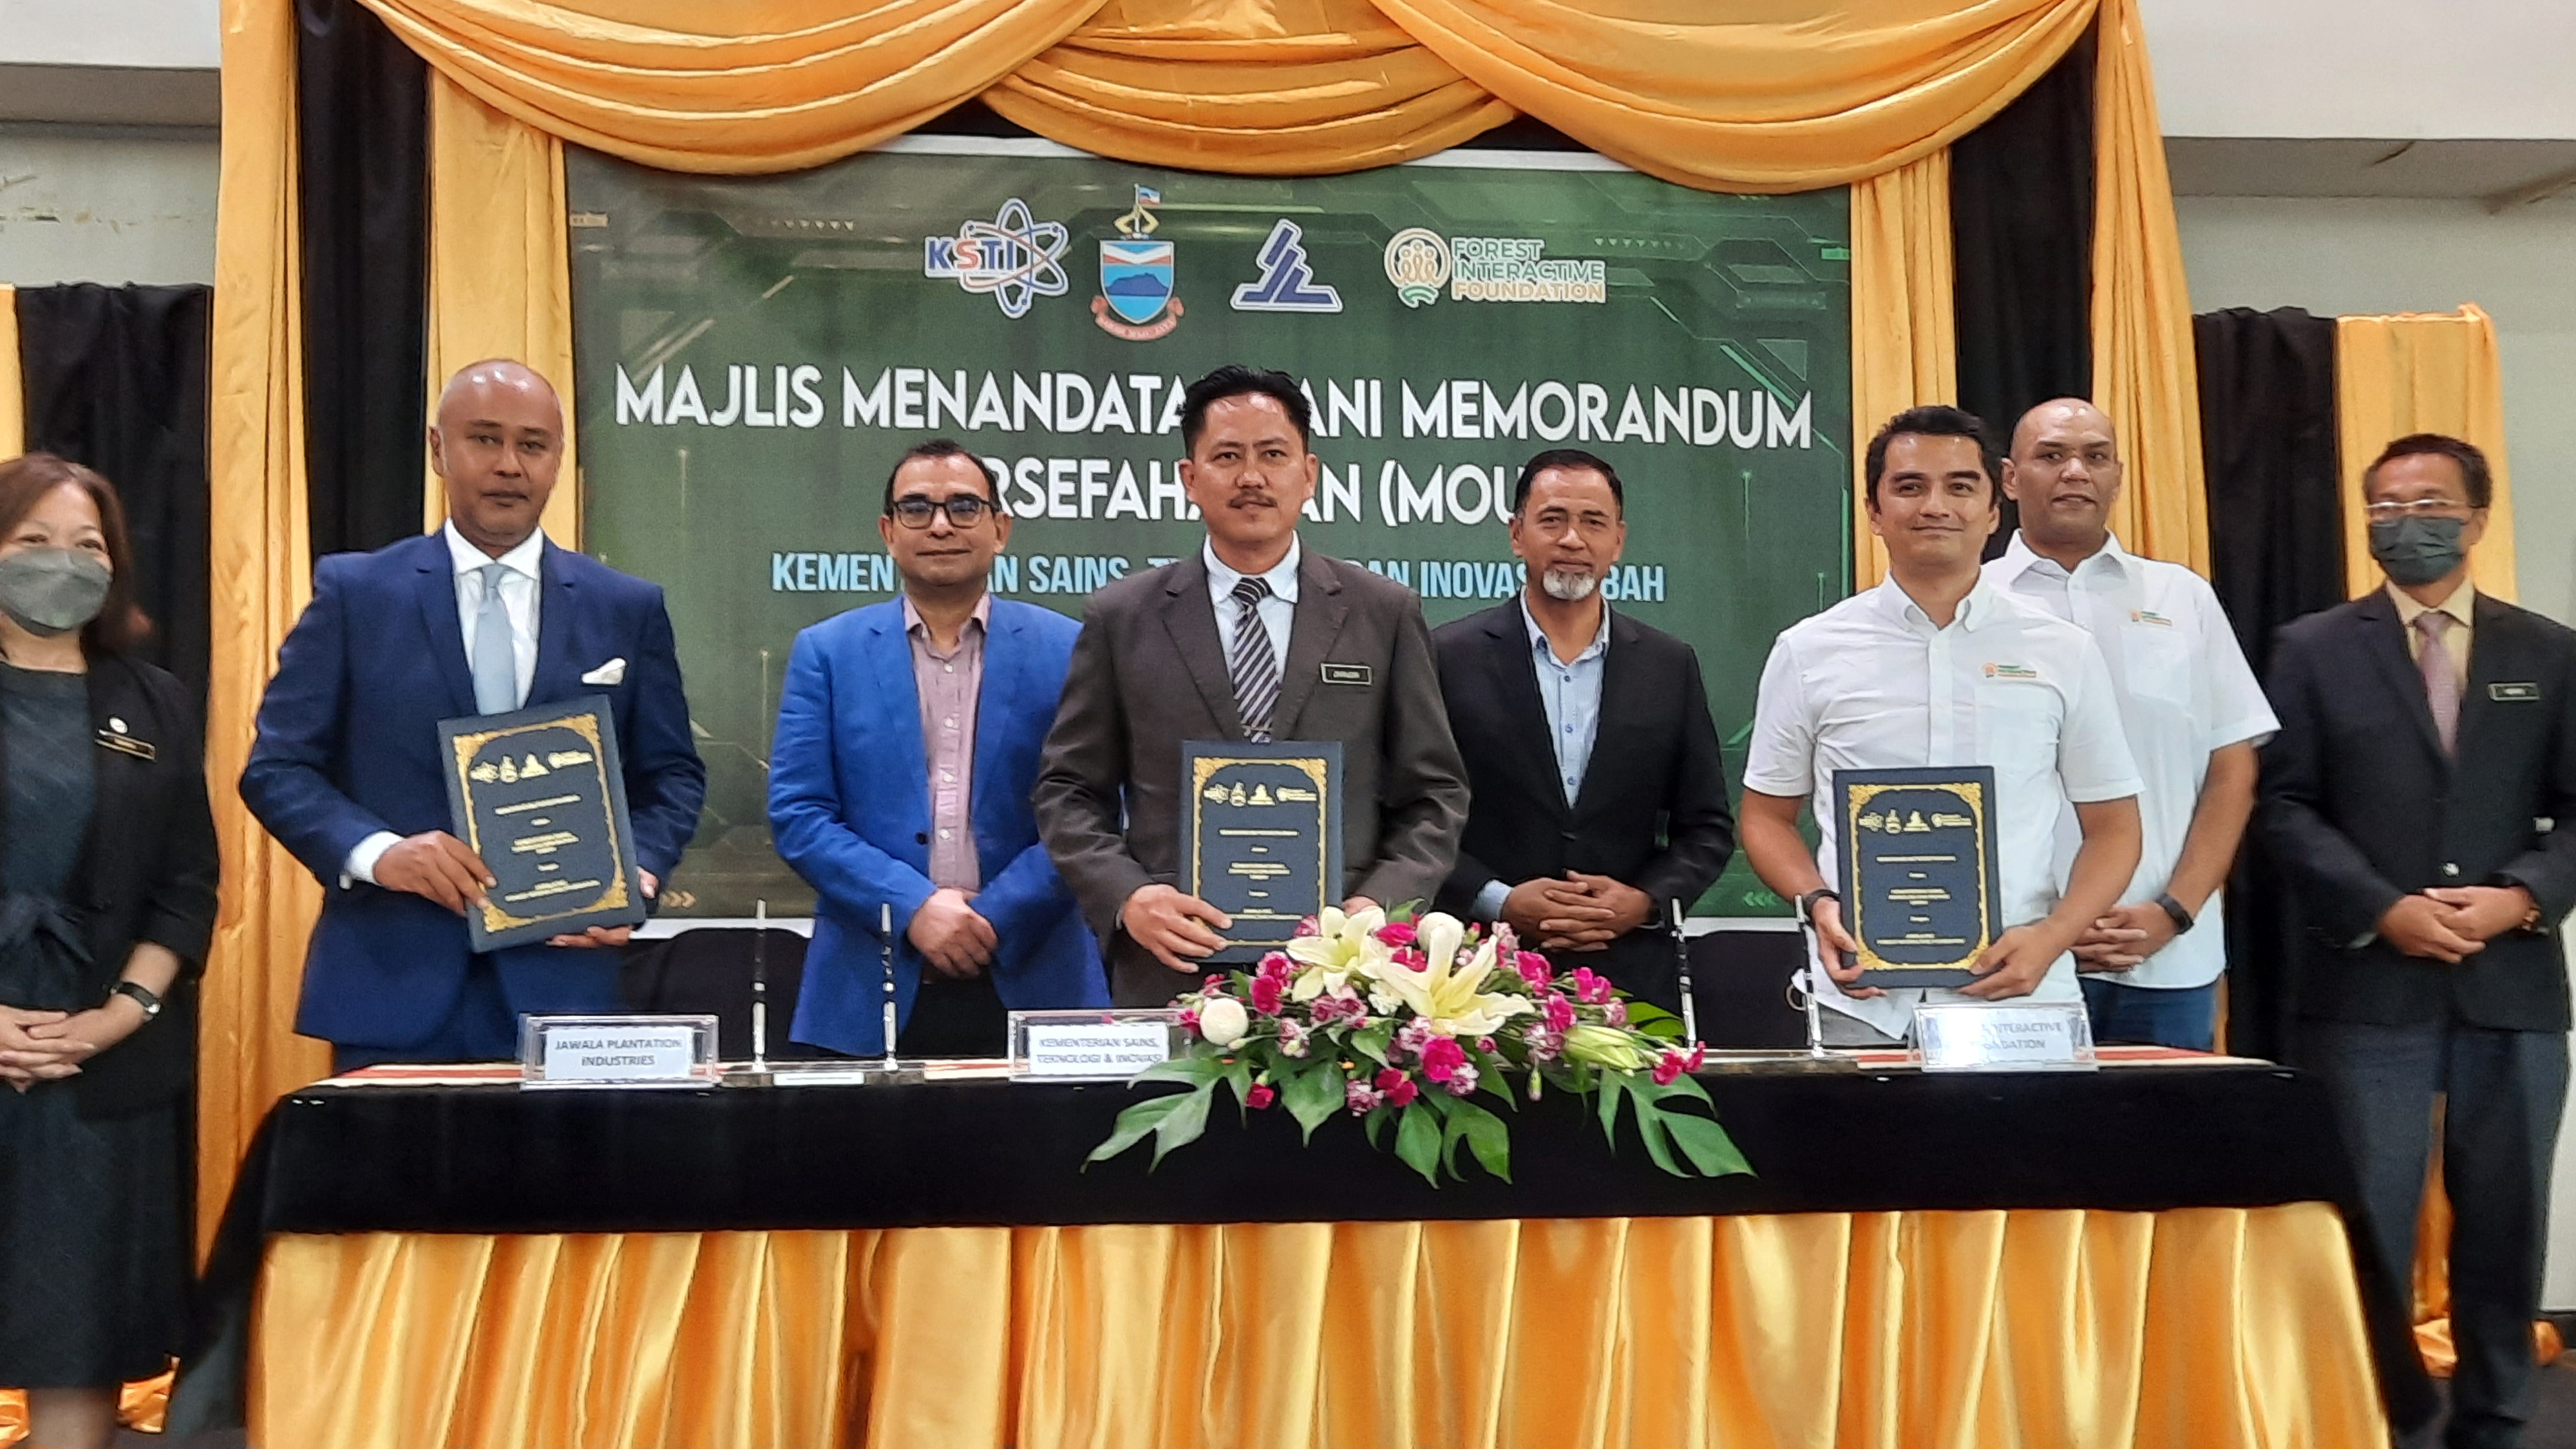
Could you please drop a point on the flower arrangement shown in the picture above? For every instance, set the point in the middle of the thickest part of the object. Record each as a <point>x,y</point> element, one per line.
<point>1404,1024</point>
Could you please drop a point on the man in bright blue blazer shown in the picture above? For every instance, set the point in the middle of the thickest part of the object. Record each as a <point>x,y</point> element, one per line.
<point>482,617</point>
<point>907,741</point>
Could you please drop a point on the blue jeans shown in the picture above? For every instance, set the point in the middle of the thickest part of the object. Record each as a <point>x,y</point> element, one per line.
<point>2183,1016</point>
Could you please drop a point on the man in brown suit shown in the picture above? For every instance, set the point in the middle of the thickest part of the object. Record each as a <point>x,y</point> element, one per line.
<point>1251,639</point>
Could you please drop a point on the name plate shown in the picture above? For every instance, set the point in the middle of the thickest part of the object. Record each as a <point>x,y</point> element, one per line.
<point>618,1051</point>
<point>1092,1046</point>
<point>537,793</point>
<point>1261,836</point>
<point>1918,872</point>
<point>2053,1036</point>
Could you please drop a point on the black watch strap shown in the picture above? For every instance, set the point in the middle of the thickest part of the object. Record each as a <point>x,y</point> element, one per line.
<point>1807,902</point>
<point>2181,918</point>
<point>140,996</point>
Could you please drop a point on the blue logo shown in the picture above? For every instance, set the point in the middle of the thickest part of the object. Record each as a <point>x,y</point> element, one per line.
<point>1136,300</point>
<point>1287,282</point>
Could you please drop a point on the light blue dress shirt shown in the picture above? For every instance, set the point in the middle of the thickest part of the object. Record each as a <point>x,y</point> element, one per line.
<point>1571,691</point>
<point>1277,611</point>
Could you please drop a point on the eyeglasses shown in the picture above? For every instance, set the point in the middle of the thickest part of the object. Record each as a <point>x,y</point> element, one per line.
<point>964,510</point>
<point>2417,508</point>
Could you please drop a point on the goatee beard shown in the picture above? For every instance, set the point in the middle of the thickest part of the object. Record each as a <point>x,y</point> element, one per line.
<point>1569,585</point>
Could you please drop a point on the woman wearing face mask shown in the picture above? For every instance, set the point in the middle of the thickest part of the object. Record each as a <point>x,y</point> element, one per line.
<point>107,898</point>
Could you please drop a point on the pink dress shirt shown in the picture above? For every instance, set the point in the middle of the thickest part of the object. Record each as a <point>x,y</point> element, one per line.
<point>949,685</point>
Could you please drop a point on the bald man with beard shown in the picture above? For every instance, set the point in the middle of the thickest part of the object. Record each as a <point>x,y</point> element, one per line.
<point>2191,709</point>
<point>484,616</point>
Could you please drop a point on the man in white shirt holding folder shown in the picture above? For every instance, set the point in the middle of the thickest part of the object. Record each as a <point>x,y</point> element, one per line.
<point>1937,667</point>
<point>2191,710</point>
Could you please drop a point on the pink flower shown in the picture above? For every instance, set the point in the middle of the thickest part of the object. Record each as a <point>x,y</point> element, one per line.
<point>1484,1043</point>
<point>1396,933</point>
<point>1292,1039</point>
<point>1261,1095</point>
<point>1411,1038</point>
<point>1410,958</point>
<point>1557,1012</point>
<point>1698,1055</point>
<point>1276,964</point>
<point>1309,926</point>
<point>1669,1067</point>
<point>1544,1045</point>
<point>1443,1058</point>
<point>1267,992</point>
<point>1359,1098</point>
<point>1462,1081</point>
<point>1533,968</point>
<point>1189,1019</point>
<point>1506,940</point>
<point>1395,1088</point>
<point>1615,1012</point>
<point>1590,987</point>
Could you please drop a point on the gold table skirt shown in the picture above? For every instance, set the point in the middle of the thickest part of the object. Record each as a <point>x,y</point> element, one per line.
<point>2202,1327</point>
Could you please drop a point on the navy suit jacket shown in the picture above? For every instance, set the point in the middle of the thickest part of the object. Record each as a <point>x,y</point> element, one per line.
<point>849,808</point>
<point>348,746</point>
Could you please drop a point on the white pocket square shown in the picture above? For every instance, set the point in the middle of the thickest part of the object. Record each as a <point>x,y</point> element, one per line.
<point>612,673</point>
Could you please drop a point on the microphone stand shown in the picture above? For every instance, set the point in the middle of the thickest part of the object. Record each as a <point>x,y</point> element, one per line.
<point>760,989</point>
<point>885,939</point>
<point>1681,959</point>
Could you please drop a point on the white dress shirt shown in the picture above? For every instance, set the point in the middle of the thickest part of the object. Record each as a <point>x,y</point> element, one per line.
<point>518,599</point>
<point>2184,690</point>
<point>1277,610</point>
<point>1570,692</point>
<point>1871,684</point>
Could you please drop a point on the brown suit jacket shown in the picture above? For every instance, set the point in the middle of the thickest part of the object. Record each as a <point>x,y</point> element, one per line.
<point>1148,673</point>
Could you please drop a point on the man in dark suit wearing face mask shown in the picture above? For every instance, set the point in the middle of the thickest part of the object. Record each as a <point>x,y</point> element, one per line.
<point>2421,801</point>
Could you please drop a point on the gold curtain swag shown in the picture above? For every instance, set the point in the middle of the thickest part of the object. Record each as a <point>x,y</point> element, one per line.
<point>2210,1328</point>
<point>500,269</point>
<point>1905,342</point>
<point>2145,373</point>
<point>259,548</point>
<point>13,386</point>
<point>2421,372</point>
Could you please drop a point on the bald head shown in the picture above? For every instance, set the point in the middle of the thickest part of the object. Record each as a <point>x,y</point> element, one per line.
<point>2065,473</point>
<point>498,443</point>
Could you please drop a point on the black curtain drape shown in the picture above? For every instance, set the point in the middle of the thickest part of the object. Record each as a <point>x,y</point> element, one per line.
<point>2267,431</point>
<point>362,125</point>
<point>2021,241</point>
<point>115,378</point>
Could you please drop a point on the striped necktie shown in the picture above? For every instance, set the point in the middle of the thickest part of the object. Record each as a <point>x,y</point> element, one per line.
<point>1253,665</point>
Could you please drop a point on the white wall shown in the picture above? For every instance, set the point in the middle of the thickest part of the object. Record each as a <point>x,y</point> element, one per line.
<point>2466,69</point>
<point>111,32</point>
<point>106,206</point>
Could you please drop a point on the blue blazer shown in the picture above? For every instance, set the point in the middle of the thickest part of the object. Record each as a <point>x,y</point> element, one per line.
<point>348,746</point>
<point>849,808</point>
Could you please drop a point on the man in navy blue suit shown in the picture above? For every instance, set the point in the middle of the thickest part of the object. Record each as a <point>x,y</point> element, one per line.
<point>482,617</point>
<point>899,779</point>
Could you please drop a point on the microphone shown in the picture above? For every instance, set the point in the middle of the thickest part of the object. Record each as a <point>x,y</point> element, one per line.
<point>885,938</point>
<point>760,987</point>
<point>1681,959</point>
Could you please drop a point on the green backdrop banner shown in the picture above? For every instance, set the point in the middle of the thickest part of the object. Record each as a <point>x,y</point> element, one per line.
<point>755,353</point>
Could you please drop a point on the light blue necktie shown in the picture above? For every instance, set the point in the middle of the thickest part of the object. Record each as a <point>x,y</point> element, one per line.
<point>496,662</point>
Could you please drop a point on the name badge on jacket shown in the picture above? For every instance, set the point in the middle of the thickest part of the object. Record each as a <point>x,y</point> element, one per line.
<point>2514,693</point>
<point>1359,674</point>
<point>115,738</point>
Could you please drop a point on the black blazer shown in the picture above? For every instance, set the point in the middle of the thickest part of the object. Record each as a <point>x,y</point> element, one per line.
<point>2360,807</point>
<point>1653,808</point>
<point>146,873</point>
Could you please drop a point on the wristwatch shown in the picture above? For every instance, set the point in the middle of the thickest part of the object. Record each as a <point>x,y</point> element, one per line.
<point>2173,909</point>
<point>1807,902</point>
<point>150,1003</point>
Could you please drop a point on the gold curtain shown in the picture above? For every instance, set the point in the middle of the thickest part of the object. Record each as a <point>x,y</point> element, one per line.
<point>500,280</point>
<point>2421,372</point>
<point>2202,1327</point>
<point>690,86</point>
<point>258,552</point>
<point>13,395</point>
<point>1327,85</point>
<point>2145,375</point>
<point>1905,344</point>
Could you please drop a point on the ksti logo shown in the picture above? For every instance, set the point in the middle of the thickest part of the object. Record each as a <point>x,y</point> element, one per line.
<point>1014,257</point>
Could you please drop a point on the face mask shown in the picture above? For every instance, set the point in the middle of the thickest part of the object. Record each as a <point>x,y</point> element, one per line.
<point>2417,550</point>
<point>51,591</point>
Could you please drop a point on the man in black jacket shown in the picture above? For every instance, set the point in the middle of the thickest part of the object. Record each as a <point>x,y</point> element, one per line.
<point>1597,796</point>
<point>2421,801</point>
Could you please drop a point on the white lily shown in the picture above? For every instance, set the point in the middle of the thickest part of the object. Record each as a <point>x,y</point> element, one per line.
<point>1445,995</point>
<point>1346,945</point>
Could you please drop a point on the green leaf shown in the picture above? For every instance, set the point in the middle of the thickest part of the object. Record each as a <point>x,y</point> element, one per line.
<point>1654,1021</point>
<point>1684,1086</point>
<point>1609,1087</point>
<point>1500,1084</point>
<point>1194,1070</point>
<point>1417,1141</point>
<point>1375,1125</point>
<point>1650,1126</point>
<point>1312,1094</point>
<point>1134,1123</point>
<point>1374,1042</point>
<point>1182,1125</point>
<point>1238,1074</point>
<point>1706,1144</point>
<point>1486,1136</point>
